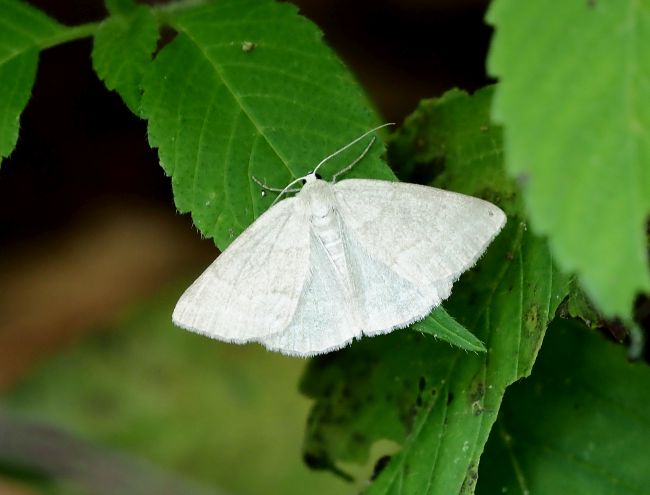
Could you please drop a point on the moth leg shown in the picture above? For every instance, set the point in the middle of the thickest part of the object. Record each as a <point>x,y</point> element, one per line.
<point>273,189</point>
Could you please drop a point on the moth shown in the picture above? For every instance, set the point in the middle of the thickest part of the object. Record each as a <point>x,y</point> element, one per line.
<point>338,261</point>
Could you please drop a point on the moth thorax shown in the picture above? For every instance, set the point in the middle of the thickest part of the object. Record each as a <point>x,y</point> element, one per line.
<point>319,199</point>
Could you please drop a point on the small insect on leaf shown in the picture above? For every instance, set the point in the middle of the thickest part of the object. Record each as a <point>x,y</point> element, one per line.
<point>248,46</point>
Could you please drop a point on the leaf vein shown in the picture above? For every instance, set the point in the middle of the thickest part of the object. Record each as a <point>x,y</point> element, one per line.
<point>219,71</point>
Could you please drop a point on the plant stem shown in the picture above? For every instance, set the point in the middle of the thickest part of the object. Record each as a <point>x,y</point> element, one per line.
<point>71,33</point>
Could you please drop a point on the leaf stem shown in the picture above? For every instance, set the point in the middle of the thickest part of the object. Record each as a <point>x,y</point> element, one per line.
<point>71,33</point>
<point>163,14</point>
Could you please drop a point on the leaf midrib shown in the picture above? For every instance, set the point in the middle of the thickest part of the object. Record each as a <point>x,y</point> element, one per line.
<point>517,241</point>
<point>219,72</point>
<point>486,307</point>
<point>15,53</point>
<point>258,127</point>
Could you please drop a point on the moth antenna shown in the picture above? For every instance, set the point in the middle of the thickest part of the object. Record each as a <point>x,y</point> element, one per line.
<point>340,150</point>
<point>287,189</point>
<point>356,160</point>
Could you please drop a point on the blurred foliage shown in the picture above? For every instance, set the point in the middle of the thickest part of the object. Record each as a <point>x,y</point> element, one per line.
<point>577,425</point>
<point>573,99</point>
<point>224,415</point>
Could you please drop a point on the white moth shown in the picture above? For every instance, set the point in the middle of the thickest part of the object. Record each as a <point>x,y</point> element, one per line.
<point>338,261</point>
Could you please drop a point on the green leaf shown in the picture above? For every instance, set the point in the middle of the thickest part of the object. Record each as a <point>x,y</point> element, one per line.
<point>452,142</point>
<point>573,98</point>
<point>577,425</point>
<point>122,51</point>
<point>442,326</point>
<point>579,306</point>
<point>508,307</point>
<point>248,88</point>
<point>23,30</point>
<point>372,390</point>
<point>441,402</point>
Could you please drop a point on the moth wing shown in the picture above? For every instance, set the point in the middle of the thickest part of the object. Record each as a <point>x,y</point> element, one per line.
<point>426,236</point>
<point>253,288</point>
<point>330,315</point>
<point>388,300</point>
<point>324,319</point>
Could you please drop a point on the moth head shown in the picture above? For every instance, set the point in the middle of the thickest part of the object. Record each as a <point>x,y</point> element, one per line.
<point>310,178</point>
